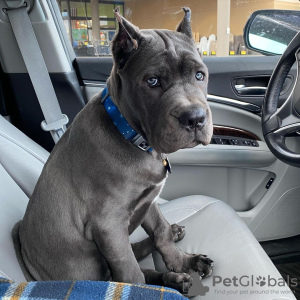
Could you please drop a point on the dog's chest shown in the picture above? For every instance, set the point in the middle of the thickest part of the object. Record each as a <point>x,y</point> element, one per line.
<point>143,203</point>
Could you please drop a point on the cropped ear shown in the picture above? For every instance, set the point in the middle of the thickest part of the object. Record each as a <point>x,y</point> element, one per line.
<point>185,25</point>
<point>126,41</point>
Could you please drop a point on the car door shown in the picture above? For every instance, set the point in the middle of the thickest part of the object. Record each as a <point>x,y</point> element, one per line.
<point>237,167</point>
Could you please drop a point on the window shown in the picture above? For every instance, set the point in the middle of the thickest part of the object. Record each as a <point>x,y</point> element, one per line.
<point>90,25</point>
<point>217,24</point>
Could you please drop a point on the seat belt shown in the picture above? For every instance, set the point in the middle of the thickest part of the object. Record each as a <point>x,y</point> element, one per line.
<point>18,16</point>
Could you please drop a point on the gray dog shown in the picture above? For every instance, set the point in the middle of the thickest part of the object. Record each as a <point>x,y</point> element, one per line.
<point>99,184</point>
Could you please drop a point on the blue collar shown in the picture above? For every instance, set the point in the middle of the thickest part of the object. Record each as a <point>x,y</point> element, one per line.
<point>120,122</point>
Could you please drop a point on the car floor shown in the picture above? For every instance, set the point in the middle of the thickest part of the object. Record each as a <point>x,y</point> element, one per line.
<point>285,254</point>
<point>290,271</point>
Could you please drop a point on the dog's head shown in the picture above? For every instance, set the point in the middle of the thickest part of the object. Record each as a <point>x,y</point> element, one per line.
<point>159,83</point>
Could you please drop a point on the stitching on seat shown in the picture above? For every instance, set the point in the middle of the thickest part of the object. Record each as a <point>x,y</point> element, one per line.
<point>181,208</point>
<point>5,275</point>
<point>24,148</point>
<point>187,207</point>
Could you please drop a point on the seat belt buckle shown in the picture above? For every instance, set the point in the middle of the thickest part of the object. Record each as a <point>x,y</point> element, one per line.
<point>56,128</point>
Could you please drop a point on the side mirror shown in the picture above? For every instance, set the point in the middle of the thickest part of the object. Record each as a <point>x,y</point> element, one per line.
<point>270,31</point>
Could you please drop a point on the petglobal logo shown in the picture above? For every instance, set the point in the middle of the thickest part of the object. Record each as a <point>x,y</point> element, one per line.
<point>242,285</point>
<point>251,281</point>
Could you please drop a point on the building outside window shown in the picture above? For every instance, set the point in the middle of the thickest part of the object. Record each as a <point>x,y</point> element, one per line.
<point>217,24</point>
<point>90,25</point>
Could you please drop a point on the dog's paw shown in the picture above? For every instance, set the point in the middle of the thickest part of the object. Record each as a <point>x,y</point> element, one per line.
<point>178,281</point>
<point>178,232</point>
<point>189,263</point>
<point>201,264</point>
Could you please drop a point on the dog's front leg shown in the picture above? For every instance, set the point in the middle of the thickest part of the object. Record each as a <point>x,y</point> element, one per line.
<point>113,242</point>
<point>176,260</point>
<point>145,247</point>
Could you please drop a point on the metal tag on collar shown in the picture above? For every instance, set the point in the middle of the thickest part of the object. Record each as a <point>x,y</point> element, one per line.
<point>167,165</point>
<point>140,142</point>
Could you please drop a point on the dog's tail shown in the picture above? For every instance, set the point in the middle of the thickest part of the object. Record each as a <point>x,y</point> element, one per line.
<point>17,246</point>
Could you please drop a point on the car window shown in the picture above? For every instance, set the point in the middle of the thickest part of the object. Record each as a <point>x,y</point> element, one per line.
<point>217,24</point>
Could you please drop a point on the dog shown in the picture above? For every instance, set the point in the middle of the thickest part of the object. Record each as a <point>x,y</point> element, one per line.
<point>98,186</point>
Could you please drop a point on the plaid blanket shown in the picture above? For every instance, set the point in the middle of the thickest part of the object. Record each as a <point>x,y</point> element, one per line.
<point>83,290</point>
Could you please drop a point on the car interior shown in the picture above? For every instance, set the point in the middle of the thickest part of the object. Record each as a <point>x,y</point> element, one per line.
<point>237,197</point>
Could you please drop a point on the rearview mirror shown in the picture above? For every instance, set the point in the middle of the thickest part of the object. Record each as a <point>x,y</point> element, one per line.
<point>270,31</point>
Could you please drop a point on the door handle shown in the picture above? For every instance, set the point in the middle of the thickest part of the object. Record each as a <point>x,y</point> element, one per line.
<point>250,90</point>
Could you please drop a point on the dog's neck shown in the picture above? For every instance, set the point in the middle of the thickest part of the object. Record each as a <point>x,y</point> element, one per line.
<point>126,130</point>
<point>122,125</point>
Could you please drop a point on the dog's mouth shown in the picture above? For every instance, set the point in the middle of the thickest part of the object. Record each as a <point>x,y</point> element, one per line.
<point>177,134</point>
<point>182,139</point>
<point>198,141</point>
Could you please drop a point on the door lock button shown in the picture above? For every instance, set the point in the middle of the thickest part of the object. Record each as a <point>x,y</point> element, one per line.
<point>271,180</point>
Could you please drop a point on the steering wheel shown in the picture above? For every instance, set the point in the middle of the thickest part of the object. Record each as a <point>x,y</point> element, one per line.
<point>277,124</point>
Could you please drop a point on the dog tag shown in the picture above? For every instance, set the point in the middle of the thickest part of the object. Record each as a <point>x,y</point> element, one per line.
<point>167,165</point>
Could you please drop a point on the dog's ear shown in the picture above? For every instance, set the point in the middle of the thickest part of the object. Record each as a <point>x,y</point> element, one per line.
<point>185,25</point>
<point>126,41</point>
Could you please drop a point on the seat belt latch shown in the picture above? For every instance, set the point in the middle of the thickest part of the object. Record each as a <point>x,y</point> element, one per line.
<point>56,128</point>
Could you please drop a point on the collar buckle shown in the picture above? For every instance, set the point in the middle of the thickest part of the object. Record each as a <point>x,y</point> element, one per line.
<point>140,142</point>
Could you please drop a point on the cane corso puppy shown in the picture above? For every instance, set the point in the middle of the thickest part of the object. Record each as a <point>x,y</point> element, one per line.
<point>103,176</point>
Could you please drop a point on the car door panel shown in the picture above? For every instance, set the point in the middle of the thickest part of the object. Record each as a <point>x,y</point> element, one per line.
<point>225,156</point>
<point>241,188</point>
<point>225,71</point>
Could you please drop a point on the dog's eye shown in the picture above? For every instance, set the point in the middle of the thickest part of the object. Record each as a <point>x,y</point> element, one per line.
<point>153,81</point>
<point>199,76</point>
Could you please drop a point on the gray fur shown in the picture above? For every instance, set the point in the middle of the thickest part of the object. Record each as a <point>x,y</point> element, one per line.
<point>96,187</point>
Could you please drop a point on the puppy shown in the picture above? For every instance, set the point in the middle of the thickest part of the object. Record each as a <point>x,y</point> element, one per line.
<point>103,176</point>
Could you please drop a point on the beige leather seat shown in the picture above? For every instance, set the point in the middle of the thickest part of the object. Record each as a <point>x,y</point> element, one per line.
<point>212,227</point>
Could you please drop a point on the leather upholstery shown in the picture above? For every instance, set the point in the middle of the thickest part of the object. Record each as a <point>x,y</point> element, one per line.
<point>13,202</point>
<point>21,157</point>
<point>21,162</point>
<point>212,227</point>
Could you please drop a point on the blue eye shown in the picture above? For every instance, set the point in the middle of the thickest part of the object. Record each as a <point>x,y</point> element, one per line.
<point>199,76</point>
<point>153,81</point>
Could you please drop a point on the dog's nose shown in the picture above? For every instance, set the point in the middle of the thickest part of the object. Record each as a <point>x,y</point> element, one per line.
<point>193,119</point>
